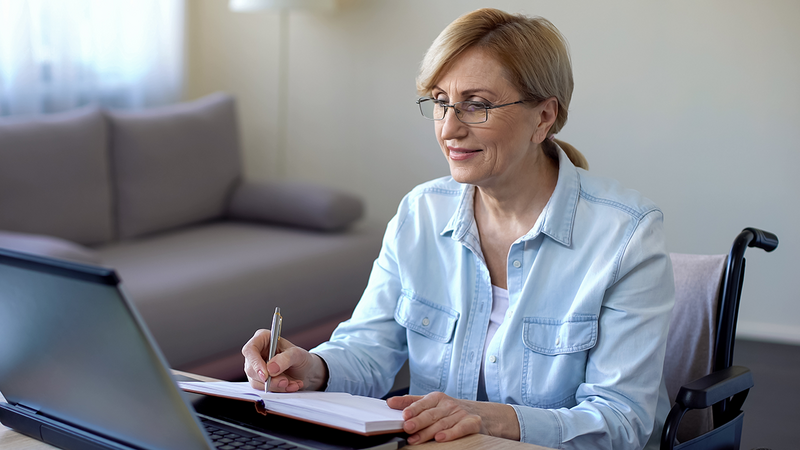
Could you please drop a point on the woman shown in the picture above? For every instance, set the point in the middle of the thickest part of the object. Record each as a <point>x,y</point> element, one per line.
<point>531,299</point>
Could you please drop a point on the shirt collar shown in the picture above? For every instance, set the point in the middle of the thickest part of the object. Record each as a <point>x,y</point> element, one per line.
<point>558,216</point>
<point>464,216</point>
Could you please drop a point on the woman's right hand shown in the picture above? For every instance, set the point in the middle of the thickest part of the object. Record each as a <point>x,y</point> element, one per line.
<point>292,368</point>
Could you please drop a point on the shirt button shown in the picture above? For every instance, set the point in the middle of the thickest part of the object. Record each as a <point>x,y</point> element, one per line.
<point>558,341</point>
<point>492,359</point>
<point>426,322</point>
<point>517,264</point>
<point>510,313</point>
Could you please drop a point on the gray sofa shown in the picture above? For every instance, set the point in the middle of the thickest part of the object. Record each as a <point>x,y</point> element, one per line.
<point>205,256</point>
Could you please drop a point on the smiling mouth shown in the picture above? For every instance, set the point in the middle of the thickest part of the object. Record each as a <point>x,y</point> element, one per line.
<point>461,154</point>
<point>461,151</point>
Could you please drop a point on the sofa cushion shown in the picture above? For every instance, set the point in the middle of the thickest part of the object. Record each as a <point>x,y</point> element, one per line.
<point>204,290</point>
<point>295,204</point>
<point>54,176</point>
<point>175,165</point>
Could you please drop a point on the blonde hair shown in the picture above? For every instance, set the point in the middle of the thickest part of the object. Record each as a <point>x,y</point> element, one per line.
<point>533,53</point>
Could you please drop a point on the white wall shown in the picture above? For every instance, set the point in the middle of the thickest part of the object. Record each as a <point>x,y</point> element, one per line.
<point>694,103</point>
<point>236,53</point>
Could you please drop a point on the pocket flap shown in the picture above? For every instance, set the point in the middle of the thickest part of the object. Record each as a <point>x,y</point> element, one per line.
<point>557,337</point>
<point>436,322</point>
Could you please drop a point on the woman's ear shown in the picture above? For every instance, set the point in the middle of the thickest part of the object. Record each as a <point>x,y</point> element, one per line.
<point>547,113</point>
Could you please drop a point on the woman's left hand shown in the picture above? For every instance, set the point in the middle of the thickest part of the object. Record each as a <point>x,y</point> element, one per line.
<point>443,418</point>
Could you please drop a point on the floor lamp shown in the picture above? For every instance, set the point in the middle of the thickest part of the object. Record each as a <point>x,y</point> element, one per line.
<point>282,7</point>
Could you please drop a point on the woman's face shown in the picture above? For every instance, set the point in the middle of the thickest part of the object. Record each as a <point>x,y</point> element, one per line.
<point>494,153</point>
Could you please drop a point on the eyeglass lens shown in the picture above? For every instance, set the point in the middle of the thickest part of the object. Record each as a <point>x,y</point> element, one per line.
<point>467,112</point>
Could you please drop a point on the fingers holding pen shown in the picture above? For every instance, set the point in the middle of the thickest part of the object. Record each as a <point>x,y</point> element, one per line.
<point>292,368</point>
<point>287,368</point>
<point>254,351</point>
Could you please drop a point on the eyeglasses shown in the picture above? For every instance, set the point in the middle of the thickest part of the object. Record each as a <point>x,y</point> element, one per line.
<point>466,112</point>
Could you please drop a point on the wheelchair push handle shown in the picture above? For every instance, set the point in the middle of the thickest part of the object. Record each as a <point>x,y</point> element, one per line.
<point>762,239</point>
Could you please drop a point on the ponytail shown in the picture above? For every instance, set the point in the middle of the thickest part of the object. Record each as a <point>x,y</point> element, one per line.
<point>577,158</point>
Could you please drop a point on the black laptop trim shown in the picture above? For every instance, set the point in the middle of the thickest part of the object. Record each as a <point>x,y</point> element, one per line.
<point>60,267</point>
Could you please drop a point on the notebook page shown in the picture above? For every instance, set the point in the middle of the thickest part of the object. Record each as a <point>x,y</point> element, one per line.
<point>337,409</point>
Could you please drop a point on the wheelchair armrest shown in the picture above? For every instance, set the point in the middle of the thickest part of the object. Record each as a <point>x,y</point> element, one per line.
<point>735,381</point>
<point>715,387</point>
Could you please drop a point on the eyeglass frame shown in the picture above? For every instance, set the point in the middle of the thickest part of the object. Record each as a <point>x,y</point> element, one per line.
<point>453,106</point>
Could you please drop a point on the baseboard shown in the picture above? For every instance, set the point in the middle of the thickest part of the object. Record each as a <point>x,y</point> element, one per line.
<point>770,332</point>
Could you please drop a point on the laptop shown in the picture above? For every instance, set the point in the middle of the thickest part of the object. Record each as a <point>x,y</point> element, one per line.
<point>79,370</point>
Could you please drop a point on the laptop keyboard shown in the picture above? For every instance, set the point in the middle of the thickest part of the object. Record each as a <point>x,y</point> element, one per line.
<point>229,438</point>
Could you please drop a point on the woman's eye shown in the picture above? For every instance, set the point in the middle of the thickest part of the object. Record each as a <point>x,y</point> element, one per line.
<point>472,106</point>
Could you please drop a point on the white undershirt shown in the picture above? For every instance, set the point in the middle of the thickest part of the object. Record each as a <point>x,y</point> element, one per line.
<point>499,308</point>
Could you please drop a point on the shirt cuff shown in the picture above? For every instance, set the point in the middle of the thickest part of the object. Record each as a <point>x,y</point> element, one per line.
<point>336,373</point>
<point>538,426</point>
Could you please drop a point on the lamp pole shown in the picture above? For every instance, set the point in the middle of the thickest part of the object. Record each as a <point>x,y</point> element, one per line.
<point>283,92</point>
<point>283,7</point>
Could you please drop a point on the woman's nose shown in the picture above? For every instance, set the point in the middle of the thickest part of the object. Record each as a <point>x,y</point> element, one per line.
<point>451,126</point>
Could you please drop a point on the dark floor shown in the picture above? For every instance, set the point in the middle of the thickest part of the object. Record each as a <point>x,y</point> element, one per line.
<point>772,408</point>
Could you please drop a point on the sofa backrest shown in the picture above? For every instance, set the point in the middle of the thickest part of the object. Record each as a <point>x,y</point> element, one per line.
<point>54,176</point>
<point>173,166</point>
<point>91,176</point>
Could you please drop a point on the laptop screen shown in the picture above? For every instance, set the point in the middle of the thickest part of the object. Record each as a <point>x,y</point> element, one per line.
<point>73,349</point>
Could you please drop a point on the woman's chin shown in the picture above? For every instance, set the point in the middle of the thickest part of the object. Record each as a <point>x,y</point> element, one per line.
<point>463,176</point>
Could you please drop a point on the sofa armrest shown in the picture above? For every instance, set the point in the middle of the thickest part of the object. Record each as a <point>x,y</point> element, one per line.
<point>295,204</point>
<point>39,244</point>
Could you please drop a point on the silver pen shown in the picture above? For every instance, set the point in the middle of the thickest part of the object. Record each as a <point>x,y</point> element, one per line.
<point>274,337</point>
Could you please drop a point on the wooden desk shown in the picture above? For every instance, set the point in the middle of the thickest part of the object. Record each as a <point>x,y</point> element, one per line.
<point>10,439</point>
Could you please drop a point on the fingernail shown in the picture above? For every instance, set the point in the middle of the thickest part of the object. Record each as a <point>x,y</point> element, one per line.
<point>412,439</point>
<point>262,376</point>
<point>410,426</point>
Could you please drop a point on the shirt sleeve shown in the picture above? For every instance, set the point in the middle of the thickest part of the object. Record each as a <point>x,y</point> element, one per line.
<point>365,353</point>
<point>617,401</point>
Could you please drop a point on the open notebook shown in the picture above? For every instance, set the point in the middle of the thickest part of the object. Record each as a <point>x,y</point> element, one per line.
<point>363,415</point>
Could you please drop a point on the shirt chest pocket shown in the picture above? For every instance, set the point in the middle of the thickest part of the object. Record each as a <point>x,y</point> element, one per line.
<point>555,358</point>
<point>430,329</point>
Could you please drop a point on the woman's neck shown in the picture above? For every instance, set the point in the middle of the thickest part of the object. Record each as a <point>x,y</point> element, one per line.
<point>518,203</point>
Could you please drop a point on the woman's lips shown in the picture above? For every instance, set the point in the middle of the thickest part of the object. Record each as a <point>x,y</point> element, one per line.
<point>461,154</point>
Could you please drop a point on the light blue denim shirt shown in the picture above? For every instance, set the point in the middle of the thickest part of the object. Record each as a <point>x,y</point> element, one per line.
<point>580,352</point>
